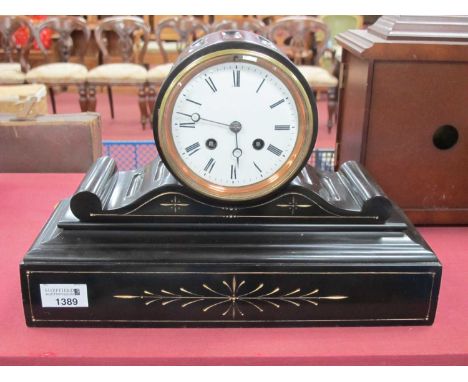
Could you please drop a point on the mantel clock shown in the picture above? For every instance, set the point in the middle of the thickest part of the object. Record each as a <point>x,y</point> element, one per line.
<point>230,226</point>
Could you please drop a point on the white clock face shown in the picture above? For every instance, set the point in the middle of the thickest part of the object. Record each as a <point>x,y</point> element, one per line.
<point>235,124</point>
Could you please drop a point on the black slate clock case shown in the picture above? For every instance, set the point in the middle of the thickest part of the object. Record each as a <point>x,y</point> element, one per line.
<point>139,249</point>
<point>331,249</point>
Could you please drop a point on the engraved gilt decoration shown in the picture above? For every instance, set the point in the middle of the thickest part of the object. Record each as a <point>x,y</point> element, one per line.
<point>233,297</point>
<point>175,204</point>
<point>293,205</point>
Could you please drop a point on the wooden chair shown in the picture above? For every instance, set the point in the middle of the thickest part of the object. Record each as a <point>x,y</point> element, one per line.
<point>64,73</point>
<point>15,65</point>
<point>246,23</point>
<point>127,73</point>
<point>187,29</point>
<point>304,40</point>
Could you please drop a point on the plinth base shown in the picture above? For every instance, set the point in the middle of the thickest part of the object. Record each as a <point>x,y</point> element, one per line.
<point>230,275</point>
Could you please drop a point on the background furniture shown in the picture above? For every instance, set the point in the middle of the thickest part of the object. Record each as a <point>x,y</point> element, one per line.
<point>50,143</point>
<point>23,101</point>
<point>185,30</point>
<point>71,49</point>
<point>15,65</point>
<point>127,73</point>
<point>24,212</point>
<point>332,58</point>
<point>247,23</point>
<point>168,37</point>
<point>303,39</point>
<point>64,73</point>
<point>337,24</point>
<point>403,112</point>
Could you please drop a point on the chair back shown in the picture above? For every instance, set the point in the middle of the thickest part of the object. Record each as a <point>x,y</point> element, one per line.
<point>187,29</point>
<point>129,30</point>
<point>302,38</point>
<point>11,51</point>
<point>250,24</point>
<point>65,26</point>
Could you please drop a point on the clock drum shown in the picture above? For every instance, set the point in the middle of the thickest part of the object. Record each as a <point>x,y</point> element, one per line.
<point>235,120</point>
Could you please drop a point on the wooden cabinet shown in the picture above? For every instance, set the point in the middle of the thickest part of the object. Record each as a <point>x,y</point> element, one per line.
<point>404,115</point>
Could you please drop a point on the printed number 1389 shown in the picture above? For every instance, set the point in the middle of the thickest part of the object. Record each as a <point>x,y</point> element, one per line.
<point>66,301</point>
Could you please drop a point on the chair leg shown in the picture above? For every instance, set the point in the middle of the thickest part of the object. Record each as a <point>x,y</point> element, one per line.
<point>52,99</point>
<point>151,101</point>
<point>111,100</point>
<point>91,98</point>
<point>143,106</point>
<point>83,98</point>
<point>332,108</point>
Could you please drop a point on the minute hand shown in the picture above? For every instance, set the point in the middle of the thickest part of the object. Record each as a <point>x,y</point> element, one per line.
<point>219,123</point>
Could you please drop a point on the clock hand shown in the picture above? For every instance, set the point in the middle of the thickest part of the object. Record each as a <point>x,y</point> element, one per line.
<point>235,127</point>
<point>219,123</point>
<point>237,152</point>
<point>196,117</point>
<point>187,115</point>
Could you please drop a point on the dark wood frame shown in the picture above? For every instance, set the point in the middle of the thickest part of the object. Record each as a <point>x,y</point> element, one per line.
<point>8,26</point>
<point>65,26</point>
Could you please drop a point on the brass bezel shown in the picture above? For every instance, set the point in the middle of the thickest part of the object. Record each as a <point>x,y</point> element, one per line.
<point>236,193</point>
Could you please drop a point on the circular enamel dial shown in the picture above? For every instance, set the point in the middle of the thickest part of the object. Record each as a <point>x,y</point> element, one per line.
<point>235,125</point>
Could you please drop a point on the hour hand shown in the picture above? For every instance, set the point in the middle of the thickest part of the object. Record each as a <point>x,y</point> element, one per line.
<point>195,117</point>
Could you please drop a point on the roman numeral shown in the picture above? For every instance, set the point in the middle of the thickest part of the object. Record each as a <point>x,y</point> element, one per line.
<point>233,172</point>
<point>258,168</point>
<point>209,166</point>
<point>282,127</point>
<point>192,149</point>
<point>211,84</point>
<point>275,150</point>
<point>236,77</point>
<point>195,102</point>
<point>277,103</point>
<point>187,124</point>
<point>259,86</point>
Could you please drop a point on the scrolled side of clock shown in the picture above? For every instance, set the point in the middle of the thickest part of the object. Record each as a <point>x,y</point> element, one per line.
<point>152,195</point>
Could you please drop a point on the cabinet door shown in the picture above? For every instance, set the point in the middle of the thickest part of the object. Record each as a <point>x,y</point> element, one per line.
<point>410,101</point>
